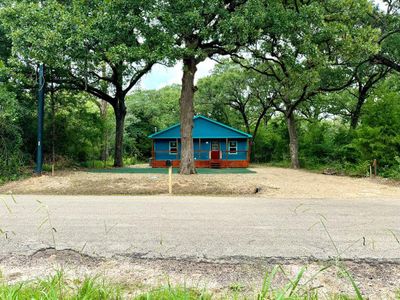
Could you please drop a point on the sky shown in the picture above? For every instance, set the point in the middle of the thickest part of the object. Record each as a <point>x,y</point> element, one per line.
<point>161,76</point>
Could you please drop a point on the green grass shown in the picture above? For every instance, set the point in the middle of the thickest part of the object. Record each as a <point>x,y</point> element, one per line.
<point>99,164</point>
<point>178,293</point>
<point>59,287</point>
<point>165,171</point>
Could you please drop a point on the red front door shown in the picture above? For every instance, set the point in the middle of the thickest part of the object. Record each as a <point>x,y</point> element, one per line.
<point>215,154</point>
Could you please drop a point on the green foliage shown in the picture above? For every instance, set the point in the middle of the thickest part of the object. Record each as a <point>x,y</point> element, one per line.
<point>235,96</point>
<point>78,129</point>
<point>394,170</point>
<point>201,29</point>
<point>298,57</point>
<point>86,34</point>
<point>100,47</point>
<point>177,293</point>
<point>271,145</point>
<point>57,287</point>
<point>10,134</point>
<point>150,110</point>
<point>94,288</point>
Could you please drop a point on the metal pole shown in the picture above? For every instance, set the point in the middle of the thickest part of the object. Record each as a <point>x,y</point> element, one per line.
<point>39,154</point>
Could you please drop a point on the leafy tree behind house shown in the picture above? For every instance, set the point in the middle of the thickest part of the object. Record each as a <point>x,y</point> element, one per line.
<point>77,39</point>
<point>203,29</point>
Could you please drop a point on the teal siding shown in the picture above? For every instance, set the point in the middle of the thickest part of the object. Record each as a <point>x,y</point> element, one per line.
<point>206,130</point>
<point>161,148</point>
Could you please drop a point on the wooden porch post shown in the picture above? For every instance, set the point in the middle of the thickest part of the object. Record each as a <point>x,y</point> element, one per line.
<point>153,155</point>
<point>226,150</point>
<point>248,149</point>
<point>200,148</point>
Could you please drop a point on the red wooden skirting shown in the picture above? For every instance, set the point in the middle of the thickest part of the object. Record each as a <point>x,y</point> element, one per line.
<point>204,163</point>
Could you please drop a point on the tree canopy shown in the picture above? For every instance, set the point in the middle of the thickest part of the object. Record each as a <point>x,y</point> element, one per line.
<point>101,47</point>
<point>305,78</point>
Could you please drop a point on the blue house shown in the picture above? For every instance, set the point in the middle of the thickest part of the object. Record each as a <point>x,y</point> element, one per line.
<point>216,145</point>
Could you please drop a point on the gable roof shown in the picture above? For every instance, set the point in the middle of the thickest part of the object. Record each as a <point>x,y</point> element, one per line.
<point>203,128</point>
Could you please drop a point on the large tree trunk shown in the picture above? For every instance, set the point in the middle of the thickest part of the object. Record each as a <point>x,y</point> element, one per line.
<point>356,114</point>
<point>104,144</point>
<point>187,166</point>
<point>293,141</point>
<point>103,115</point>
<point>120,113</point>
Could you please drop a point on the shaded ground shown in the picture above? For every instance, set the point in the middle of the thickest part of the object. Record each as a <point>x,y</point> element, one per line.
<point>269,182</point>
<point>375,279</point>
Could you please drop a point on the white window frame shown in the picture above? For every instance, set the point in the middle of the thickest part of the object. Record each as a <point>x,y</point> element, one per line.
<point>169,147</point>
<point>236,148</point>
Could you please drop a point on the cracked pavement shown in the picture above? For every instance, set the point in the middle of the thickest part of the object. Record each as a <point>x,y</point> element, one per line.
<point>201,227</point>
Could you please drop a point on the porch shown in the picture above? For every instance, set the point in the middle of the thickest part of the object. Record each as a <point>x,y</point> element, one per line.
<point>208,153</point>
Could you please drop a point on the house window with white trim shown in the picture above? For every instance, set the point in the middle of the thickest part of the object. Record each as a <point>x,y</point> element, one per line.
<point>173,147</point>
<point>233,147</point>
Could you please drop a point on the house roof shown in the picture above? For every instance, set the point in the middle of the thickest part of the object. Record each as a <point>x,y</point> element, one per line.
<point>203,128</point>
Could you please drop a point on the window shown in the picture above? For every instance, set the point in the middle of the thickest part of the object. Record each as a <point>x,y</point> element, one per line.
<point>233,147</point>
<point>173,147</point>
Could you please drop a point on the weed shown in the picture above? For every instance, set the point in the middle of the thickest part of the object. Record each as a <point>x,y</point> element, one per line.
<point>58,287</point>
<point>178,293</point>
<point>236,287</point>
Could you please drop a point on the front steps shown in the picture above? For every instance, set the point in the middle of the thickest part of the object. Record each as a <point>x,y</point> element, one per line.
<point>215,165</point>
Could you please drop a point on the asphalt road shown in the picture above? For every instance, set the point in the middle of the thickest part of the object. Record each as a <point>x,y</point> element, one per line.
<point>201,227</point>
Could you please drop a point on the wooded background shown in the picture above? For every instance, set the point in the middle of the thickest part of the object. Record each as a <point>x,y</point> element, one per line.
<point>315,82</point>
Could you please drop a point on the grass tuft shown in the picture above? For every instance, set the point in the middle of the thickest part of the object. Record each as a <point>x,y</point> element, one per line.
<point>58,286</point>
<point>178,293</point>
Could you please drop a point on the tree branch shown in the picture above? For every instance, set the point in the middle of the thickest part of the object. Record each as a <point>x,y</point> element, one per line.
<point>138,76</point>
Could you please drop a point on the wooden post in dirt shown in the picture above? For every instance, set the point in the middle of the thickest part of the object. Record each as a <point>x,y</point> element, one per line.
<point>169,165</point>
<point>375,167</point>
<point>170,180</point>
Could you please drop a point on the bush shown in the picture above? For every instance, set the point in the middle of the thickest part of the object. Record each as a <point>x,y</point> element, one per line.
<point>10,138</point>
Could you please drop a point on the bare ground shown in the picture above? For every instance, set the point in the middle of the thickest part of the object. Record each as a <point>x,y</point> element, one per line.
<point>375,279</point>
<point>271,182</point>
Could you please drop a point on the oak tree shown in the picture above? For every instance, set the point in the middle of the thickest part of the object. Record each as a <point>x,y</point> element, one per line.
<point>202,29</point>
<point>78,38</point>
<point>305,48</point>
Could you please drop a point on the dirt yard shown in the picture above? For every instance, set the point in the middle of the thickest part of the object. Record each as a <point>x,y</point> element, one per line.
<point>265,182</point>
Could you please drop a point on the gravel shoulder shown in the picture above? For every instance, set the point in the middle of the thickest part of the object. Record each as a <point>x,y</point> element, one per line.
<point>375,279</point>
<point>270,182</point>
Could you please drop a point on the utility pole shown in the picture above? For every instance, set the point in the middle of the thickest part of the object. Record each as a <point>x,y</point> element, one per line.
<point>39,154</point>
